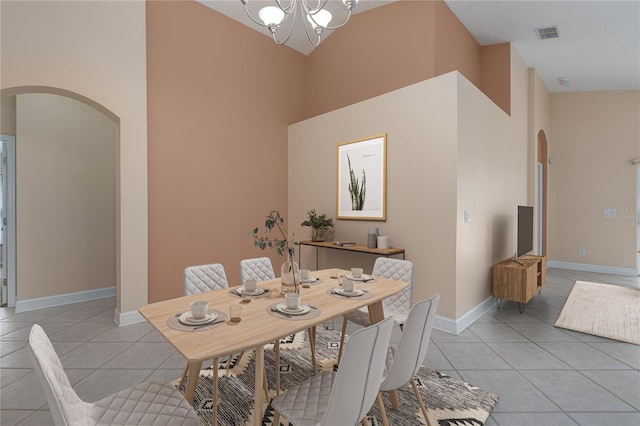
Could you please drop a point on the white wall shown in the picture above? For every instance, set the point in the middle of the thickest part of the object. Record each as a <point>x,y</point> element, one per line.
<point>97,51</point>
<point>492,169</point>
<point>420,123</point>
<point>65,197</point>
<point>450,149</point>
<point>595,137</point>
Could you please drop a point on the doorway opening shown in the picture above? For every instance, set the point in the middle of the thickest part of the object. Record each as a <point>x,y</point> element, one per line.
<point>541,195</point>
<point>77,122</point>
<point>7,221</point>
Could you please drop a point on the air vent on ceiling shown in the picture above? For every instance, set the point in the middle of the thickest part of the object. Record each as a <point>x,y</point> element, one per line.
<point>547,33</point>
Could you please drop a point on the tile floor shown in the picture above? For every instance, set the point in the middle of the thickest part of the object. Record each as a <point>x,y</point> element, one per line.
<point>543,375</point>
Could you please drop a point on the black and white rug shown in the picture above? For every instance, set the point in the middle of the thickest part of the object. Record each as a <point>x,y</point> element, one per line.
<point>449,401</point>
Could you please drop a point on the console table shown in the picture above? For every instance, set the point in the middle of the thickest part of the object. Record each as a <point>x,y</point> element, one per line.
<point>360,248</point>
<point>518,280</point>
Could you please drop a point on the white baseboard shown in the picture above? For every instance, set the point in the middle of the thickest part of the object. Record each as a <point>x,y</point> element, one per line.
<point>451,326</point>
<point>63,299</point>
<point>627,272</point>
<point>127,318</point>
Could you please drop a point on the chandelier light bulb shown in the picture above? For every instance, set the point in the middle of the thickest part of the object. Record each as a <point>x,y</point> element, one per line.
<point>350,3</point>
<point>320,18</point>
<point>271,16</point>
<point>280,19</point>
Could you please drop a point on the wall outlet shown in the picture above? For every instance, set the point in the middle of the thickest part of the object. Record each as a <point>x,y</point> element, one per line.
<point>467,216</point>
<point>582,252</point>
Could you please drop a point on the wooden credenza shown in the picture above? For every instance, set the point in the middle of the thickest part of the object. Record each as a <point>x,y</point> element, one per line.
<point>518,281</point>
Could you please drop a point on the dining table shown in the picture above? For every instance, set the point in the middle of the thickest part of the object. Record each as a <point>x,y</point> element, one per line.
<point>259,324</point>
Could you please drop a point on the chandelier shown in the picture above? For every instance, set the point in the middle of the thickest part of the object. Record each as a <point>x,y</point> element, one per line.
<point>318,18</point>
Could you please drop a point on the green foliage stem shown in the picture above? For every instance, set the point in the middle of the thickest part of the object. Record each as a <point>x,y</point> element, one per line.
<point>357,190</point>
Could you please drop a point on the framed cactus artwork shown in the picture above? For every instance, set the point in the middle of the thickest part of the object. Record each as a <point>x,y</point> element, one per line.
<point>362,179</point>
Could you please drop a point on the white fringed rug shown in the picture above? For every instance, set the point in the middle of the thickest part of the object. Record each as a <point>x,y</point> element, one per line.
<point>605,310</point>
<point>449,401</point>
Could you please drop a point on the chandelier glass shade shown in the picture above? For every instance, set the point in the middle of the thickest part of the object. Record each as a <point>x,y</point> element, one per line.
<point>318,18</point>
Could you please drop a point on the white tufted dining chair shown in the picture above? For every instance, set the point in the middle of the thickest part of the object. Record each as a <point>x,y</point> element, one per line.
<point>259,269</point>
<point>343,397</point>
<point>200,279</point>
<point>149,403</point>
<point>405,358</point>
<point>396,306</point>
<point>203,278</point>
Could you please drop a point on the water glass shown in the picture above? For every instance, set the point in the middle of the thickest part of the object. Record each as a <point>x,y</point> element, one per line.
<point>235,313</point>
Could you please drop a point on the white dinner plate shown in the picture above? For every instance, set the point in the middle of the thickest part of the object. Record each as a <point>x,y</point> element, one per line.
<point>363,277</point>
<point>304,309</point>
<point>187,319</point>
<point>354,293</point>
<point>257,292</point>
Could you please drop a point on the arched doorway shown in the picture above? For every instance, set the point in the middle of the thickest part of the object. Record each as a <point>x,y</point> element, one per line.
<point>542,192</point>
<point>69,227</point>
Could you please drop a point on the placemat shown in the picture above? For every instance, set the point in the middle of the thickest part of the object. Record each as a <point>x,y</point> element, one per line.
<point>234,293</point>
<point>365,295</point>
<point>175,323</point>
<point>370,279</point>
<point>311,284</point>
<point>313,312</point>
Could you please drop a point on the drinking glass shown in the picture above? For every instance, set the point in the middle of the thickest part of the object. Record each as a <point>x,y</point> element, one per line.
<point>235,313</point>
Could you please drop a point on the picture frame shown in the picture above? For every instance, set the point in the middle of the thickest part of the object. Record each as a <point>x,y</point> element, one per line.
<point>361,181</point>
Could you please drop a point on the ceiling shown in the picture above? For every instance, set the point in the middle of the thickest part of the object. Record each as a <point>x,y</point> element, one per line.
<point>598,46</point>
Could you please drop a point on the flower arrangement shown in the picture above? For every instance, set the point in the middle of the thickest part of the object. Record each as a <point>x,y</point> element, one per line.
<point>289,271</point>
<point>319,223</point>
<point>282,245</point>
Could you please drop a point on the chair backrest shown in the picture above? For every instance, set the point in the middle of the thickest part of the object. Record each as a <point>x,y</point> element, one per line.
<point>65,405</point>
<point>414,341</point>
<point>259,269</point>
<point>399,270</point>
<point>357,381</point>
<point>202,278</point>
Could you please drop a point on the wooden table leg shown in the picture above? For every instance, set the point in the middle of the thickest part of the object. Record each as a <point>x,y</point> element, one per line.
<point>312,344</point>
<point>276,350</point>
<point>192,381</point>
<point>376,313</point>
<point>214,403</point>
<point>257,392</point>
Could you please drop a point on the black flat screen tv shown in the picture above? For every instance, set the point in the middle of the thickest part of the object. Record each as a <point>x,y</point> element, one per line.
<point>525,230</point>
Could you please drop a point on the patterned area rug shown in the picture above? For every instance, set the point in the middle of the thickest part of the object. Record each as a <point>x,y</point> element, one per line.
<point>605,310</point>
<point>449,401</point>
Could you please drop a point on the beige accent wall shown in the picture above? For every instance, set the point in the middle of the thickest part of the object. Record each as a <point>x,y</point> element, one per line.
<point>359,61</point>
<point>220,99</point>
<point>455,47</point>
<point>421,39</point>
<point>595,135</point>
<point>96,50</point>
<point>495,70</point>
<point>449,149</point>
<point>65,197</point>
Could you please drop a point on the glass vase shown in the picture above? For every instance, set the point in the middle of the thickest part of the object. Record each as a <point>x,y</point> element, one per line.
<point>317,234</point>
<point>289,276</point>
